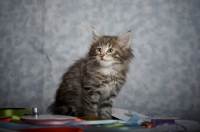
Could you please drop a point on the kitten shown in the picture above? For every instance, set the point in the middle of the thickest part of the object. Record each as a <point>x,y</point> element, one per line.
<point>90,85</point>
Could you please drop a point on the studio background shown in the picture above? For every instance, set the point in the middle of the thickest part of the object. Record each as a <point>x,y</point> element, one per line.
<point>40,39</point>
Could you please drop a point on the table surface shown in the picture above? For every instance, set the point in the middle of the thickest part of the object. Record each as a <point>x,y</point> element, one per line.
<point>191,126</point>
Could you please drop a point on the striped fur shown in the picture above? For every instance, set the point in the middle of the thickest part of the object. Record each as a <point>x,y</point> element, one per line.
<point>90,85</point>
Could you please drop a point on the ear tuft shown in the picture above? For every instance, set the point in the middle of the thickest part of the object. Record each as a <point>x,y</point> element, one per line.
<point>125,40</point>
<point>96,35</point>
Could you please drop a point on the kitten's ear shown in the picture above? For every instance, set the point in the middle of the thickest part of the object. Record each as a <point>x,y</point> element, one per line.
<point>96,35</point>
<point>125,40</point>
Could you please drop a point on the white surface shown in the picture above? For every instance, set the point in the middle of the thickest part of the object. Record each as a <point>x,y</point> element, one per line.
<point>125,114</point>
<point>48,117</point>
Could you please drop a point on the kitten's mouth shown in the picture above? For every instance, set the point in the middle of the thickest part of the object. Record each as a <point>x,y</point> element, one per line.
<point>102,59</point>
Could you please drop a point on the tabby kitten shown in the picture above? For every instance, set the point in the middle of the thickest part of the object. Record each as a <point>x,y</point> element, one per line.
<point>90,85</point>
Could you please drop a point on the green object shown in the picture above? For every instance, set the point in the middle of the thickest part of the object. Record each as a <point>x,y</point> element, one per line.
<point>15,113</point>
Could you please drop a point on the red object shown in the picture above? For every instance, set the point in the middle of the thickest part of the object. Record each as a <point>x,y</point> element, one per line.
<point>149,125</point>
<point>5,119</point>
<point>53,129</point>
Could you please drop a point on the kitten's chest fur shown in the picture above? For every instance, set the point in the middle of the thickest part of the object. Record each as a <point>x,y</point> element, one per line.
<point>108,71</point>
<point>107,80</point>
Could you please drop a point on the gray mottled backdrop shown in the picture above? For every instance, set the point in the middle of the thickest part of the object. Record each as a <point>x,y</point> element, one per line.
<point>39,39</point>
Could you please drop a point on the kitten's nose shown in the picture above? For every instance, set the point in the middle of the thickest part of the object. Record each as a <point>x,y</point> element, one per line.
<point>102,55</point>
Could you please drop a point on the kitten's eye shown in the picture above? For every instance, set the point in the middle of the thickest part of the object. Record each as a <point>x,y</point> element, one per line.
<point>99,49</point>
<point>110,50</point>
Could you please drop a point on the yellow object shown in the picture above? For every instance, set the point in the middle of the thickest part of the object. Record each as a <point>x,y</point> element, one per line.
<point>116,125</point>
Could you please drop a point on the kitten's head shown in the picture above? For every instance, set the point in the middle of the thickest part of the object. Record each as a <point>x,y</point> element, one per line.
<point>109,50</point>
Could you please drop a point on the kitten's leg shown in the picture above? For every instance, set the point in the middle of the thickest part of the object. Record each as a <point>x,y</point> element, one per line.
<point>105,108</point>
<point>90,104</point>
